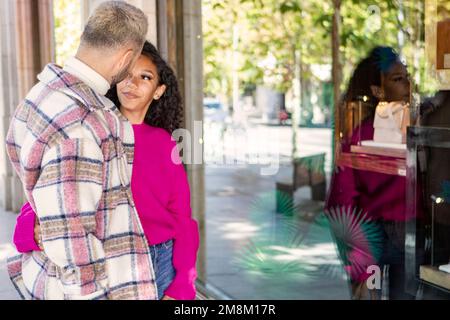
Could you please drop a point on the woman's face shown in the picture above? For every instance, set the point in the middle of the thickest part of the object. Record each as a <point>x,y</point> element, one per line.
<point>396,84</point>
<point>137,92</point>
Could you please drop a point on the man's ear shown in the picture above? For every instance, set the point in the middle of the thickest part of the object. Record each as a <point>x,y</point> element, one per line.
<point>377,92</point>
<point>160,91</point>
<point>126,59</point>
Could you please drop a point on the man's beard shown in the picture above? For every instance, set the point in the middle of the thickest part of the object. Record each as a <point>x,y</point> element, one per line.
<point>122,75</point>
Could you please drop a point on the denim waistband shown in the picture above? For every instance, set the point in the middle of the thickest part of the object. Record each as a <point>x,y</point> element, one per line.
<point>166,244</point>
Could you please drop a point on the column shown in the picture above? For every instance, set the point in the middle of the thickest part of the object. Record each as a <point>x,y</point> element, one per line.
<point>9,182</point>
<point>147,6</point>
<point>26,29</point>
<point>35,43</point>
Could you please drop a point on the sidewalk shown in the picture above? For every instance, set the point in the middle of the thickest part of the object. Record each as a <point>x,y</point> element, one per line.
<point>7,222</point>
<point>250,253</point>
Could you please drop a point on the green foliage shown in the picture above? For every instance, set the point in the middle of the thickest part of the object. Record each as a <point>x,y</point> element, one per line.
<point>67,19</point>
<point>354,231</point>
<point>270,31</point>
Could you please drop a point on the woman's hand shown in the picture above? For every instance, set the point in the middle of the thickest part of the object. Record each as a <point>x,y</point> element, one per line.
<point>37,234</point>
<point>167,298</point>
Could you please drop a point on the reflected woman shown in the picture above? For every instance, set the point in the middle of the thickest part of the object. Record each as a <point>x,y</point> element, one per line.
<point>379,78</point>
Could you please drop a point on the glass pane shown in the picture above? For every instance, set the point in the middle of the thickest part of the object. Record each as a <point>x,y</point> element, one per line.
<point>302,193</point>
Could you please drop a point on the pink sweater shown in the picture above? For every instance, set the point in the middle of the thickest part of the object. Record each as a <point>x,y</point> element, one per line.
<point>161,194</point>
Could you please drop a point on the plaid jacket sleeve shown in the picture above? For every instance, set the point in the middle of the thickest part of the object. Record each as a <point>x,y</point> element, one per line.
<point>66,198</point>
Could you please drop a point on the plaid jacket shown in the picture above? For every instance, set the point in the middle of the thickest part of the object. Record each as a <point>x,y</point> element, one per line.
<point>73,151</point>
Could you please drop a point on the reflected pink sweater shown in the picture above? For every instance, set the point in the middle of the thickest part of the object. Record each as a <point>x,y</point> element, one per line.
<point>161,194</point>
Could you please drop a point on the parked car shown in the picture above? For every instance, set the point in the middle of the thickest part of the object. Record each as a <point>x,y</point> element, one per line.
<point>214,110</point>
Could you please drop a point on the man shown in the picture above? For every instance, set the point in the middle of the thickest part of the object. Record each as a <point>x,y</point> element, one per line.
<point>72,150</point>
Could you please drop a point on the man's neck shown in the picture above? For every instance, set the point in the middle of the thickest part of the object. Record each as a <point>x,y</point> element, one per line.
<point>92,62</point>
<point>87,75</point>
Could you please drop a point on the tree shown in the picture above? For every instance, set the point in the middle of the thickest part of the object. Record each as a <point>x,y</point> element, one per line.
<point>273,32</point>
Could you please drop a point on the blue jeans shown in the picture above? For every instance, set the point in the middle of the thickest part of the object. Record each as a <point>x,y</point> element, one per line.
<point>162,264</point>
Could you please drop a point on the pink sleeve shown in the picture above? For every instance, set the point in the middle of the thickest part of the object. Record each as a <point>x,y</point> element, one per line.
<point>24,232</point>
<point>184,259</point>
<point>186,240</point>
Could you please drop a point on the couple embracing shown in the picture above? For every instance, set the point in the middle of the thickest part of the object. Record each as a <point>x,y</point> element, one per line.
<point>108,213</point>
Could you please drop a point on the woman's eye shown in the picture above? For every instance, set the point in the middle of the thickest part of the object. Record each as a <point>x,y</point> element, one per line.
<point>146,78</point>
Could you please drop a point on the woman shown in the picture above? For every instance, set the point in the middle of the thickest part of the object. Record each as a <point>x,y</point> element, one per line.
<point>151,101</point>
<point>381,77</point>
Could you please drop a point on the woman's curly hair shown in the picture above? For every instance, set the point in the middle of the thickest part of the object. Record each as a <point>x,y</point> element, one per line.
<point>369,73</point>
<point>167,112</point>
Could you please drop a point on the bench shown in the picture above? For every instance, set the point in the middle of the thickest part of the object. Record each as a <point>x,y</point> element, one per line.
<point>307,171</point>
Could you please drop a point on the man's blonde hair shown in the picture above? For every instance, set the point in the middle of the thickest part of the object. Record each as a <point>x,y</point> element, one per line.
<point>115,24</point>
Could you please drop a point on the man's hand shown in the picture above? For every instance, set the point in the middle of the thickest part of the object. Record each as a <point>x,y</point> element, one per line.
<point>167,298</point>
<point>37,234</point>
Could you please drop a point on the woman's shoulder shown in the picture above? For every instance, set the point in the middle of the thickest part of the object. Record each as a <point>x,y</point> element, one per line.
<point>155,132</point>
<point>155,135</point>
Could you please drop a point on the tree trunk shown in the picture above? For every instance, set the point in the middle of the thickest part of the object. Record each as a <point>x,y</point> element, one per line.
<point>296,110</point>
<point>337,75</point>
<point>237,113</point>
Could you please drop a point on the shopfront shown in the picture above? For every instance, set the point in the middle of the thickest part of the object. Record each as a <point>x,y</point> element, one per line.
<point>396,149</point>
